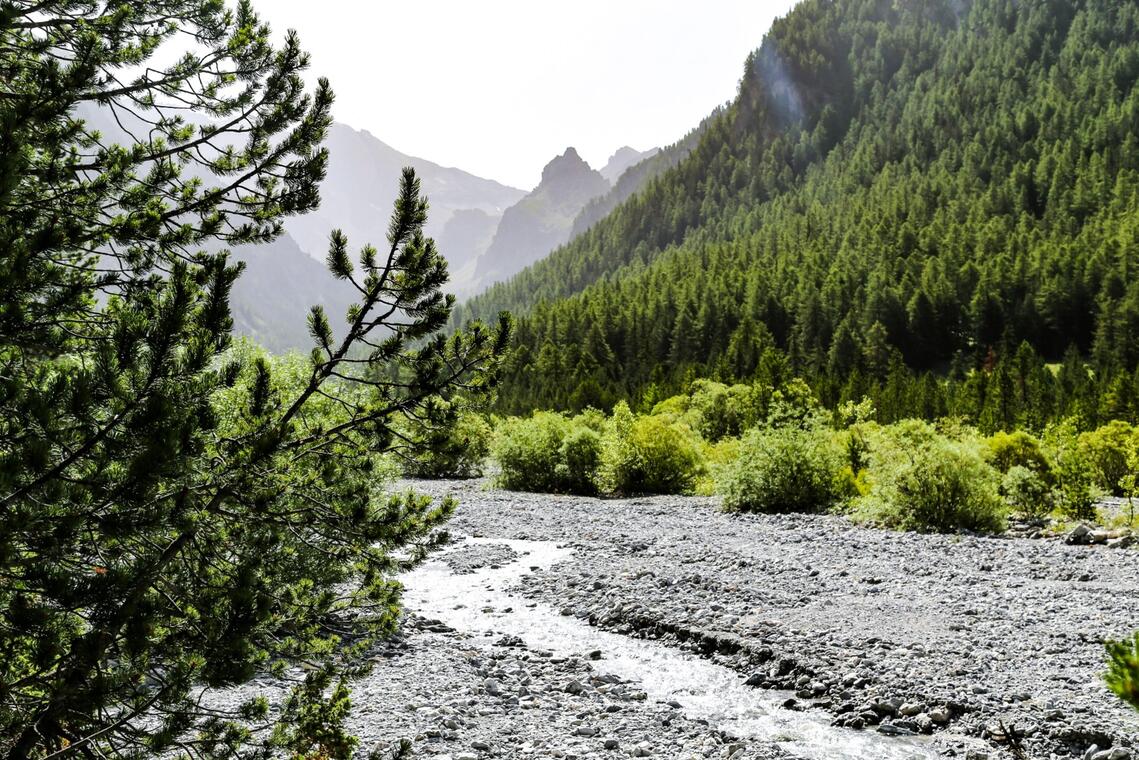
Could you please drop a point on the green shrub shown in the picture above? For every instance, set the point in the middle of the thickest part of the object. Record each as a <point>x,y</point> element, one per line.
<point>578,459</point>
<point>1019,449</point>
<point>1026,491</point>
<point>716,456</point>
<point>1106,449</point>
<point>648,454</point>
<point>1123,670</point>
<point>455,451</point>
<point>723,411</point>
<point>783,470</point>
<point>547,453</point>
<point>793,405</point>
<point>1074,472</point>
<point>923,480</point>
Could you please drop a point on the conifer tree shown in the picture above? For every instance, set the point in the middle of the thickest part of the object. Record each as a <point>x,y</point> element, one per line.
<point>176,513</point>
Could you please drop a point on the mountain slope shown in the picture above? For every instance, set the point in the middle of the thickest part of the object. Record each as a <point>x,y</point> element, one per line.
<point>633,178</point>
<point>543,219</point>
<point>937,182</point>
<point>620,162</point>
<point>271,299</point>
<point>357,196</point>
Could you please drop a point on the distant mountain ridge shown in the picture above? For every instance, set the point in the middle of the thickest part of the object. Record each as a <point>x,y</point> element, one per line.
<point>624,158</point>
<point>284,279</point>
<point>358,191</point>
<point>633,177</point>
<point>542,220</point>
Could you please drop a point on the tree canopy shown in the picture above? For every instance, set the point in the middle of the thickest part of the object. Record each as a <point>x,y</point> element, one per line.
<point>178,513</point>
<point>899,192</point>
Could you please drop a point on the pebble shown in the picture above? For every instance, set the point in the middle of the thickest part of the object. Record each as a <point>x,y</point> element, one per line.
<point>889,632</point>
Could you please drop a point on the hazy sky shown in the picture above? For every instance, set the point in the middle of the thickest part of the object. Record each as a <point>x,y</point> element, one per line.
<point>501,86</point>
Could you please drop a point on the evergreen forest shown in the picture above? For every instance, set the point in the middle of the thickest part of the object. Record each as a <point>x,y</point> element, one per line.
<point>885,302</point>
<point>929,204</point>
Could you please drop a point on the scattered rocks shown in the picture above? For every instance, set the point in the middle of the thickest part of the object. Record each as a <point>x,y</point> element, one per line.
<point>844,618</point>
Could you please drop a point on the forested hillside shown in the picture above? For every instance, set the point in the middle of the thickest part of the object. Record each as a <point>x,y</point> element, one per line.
<point>898,189</point>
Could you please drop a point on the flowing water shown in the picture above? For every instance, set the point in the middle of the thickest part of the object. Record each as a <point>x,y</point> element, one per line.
<point>475,603</point>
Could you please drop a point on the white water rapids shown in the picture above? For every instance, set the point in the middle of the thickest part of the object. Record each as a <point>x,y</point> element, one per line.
<point>704,689</point>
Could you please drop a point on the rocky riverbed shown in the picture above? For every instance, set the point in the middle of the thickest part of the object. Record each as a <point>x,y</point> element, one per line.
<point>988,646</point>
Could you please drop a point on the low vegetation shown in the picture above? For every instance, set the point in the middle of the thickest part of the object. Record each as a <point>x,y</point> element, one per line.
<point>924,479</point>
<point>783,470</point>
<point>776,449</point>
<point>1123,669</point>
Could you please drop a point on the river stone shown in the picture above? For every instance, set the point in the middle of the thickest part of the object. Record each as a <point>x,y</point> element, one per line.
<point>1079,535</point>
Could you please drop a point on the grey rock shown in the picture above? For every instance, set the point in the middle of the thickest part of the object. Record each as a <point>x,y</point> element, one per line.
<point>1079,535</point>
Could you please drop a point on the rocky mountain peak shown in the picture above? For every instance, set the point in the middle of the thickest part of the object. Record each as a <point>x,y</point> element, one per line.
<point>567,166</point>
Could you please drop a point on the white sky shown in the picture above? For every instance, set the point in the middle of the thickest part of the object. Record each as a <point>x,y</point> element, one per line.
<point>500,87</point>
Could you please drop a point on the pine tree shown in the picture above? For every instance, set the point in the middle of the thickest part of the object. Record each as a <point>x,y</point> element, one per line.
<point>176,512</point>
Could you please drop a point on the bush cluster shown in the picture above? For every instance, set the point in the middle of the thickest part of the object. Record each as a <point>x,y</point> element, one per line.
<point>922,479</point>
<point>767,449</point>
<point>648,454</point>
<point>784,470</point>
<point>548,453</point>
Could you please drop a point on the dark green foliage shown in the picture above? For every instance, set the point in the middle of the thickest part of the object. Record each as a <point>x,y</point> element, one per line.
<point>784,470</point>
<point>1123,670</point>
<point>921,204</point>
<point>174,513</point>
<point>456,449</point>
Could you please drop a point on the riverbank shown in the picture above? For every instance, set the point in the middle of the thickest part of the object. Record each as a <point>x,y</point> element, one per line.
<point>977,638</point>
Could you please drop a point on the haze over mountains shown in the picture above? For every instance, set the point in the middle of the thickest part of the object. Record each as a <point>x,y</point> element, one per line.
<point>543,219</point>
<point>357,195</point>
<point>486,230</point>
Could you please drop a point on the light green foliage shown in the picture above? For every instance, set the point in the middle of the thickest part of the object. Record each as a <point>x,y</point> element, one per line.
<point>1005,450</point>
<point>794,404</point>
<point>1123,670</point>
<point>921,479</point>
<point>788,469</point>
<point>648,455</point>
<point>548,453</point>
<point>1107,450</point>
<point>716,457</point>
<point>723,411</point>
<point>1074,472</point>
<point>1026,491</point>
